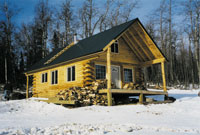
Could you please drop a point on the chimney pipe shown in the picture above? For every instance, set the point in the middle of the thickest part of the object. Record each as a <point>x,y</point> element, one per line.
<point>75,38</point>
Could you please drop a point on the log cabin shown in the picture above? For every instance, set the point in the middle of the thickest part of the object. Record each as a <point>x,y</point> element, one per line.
<point>117,55</point>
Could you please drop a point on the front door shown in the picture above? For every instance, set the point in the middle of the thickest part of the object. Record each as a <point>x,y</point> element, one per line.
<point>115,71</point>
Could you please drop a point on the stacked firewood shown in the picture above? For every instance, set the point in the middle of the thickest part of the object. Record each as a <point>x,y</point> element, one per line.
<point>99,84</point>
<point>134,86</point>
<point>87,95</point>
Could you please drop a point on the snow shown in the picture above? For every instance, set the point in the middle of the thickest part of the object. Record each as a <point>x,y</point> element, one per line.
<point>33,117</point>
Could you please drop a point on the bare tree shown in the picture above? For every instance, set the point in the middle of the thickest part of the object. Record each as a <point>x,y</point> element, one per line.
<point>43,20</point>
<point>103,24</point>
<point>24,41</point>
<point>192,10</point>
<point>121,11</point>
<point>7,26</point>
<point>57,39</point>
<point>170,43</point>
<point>66,16</point>
<point>89,18</point>
<point>113,13</point>
<point>162,30</point>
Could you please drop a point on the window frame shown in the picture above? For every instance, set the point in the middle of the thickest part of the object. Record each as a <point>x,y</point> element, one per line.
<point>96,72</point>
<point>44,77</point>
<point>71,72</point>
<point>54,80</point>
<point>113,47</point>
<point>131,75</point>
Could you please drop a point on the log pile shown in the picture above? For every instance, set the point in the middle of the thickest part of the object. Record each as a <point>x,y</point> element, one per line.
<point>133,86</point>
<point>99,84</point>
<point>87,95</point>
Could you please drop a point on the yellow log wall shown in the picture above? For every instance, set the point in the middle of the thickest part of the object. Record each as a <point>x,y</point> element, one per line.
<point>125,54</point>
<point>49,90</point>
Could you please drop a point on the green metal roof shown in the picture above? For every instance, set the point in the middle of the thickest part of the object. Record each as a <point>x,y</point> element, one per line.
<point>84,47</point>
<point>40,63</point>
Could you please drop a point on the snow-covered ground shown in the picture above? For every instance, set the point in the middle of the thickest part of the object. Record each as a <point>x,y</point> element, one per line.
<point>32,117</point>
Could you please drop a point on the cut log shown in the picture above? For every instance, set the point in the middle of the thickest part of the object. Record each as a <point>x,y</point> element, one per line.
<point>132,86</point>
<point>89,95</point>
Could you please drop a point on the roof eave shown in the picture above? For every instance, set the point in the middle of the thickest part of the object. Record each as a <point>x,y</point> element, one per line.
<point>90,56</point>
<point>153,41</point>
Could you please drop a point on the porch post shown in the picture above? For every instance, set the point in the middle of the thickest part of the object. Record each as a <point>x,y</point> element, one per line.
<point>109,94</point>
<point>134,75</point>
<point>163,76</point>
<point>141,98</point>
<point>27,79</point>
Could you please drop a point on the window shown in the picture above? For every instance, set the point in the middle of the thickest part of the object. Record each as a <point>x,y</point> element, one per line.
<point>128,75</point>
<point>100,72</point>
<point>44,77</point>
<point>71,73</point>
<point>54,77</point>
<point>114,47</point>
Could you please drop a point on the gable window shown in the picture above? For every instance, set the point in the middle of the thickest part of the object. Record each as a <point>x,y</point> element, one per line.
<point>54,77</point>
<point>44,77</point>
<point>71,73</point>
<point>128,75</point>
<point>100,71</point>
<point>114,47</point>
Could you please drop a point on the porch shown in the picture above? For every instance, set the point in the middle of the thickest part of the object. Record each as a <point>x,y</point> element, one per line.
<point>132,92</point>
<point>141,93</point>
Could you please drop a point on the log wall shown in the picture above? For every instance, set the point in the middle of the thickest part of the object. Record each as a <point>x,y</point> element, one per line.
<point>50,90</point>
<point>125,55</point>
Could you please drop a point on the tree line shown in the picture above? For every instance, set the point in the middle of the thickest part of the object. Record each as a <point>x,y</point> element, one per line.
<point>178,40</point>
<point>53,27</point>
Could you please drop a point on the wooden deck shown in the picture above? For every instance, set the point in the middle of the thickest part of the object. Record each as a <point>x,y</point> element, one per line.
<point>141,93</point>
<point>133,92</point>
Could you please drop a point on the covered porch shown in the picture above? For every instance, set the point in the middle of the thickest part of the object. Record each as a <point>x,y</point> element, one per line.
<point>146,53</point>
<point>132,92</point>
